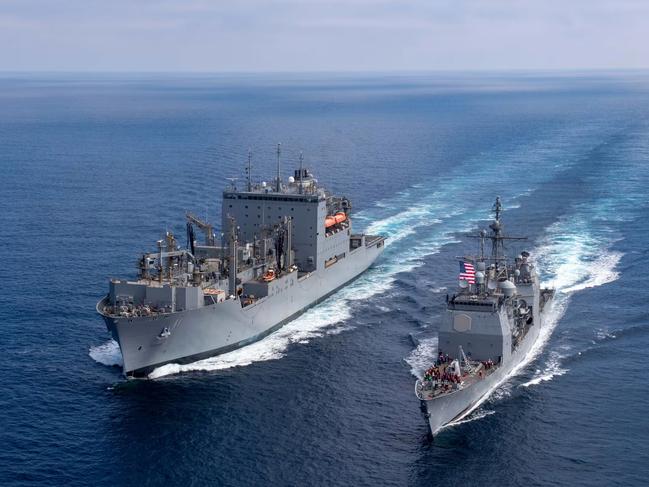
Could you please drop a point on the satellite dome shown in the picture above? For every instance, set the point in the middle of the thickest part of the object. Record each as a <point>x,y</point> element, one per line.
<point>508,288</point>
<point>479,277</point>
<point>291,179</point>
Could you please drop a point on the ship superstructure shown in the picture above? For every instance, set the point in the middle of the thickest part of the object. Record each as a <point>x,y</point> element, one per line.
<point>488,328</point>
<point>286,245</point>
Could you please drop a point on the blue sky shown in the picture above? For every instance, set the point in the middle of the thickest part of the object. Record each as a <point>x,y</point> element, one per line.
<point>322,35</point>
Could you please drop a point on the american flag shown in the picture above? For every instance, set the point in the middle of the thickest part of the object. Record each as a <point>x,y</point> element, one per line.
<point>467,272</point>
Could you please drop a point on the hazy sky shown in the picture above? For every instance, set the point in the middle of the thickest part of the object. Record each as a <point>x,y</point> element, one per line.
<point>315,35</point>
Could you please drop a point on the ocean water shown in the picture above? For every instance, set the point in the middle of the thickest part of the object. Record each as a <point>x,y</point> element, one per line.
<point>96,167</point>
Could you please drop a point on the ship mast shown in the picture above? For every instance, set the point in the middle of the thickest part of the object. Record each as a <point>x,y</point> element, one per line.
<point>300,175</point>
<point>497,238</point>
<point>248,170</point>
<point>232,258</point>
<point>279,180</point>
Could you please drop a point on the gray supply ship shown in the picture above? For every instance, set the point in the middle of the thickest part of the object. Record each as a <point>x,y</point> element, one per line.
<point>286,246</point>
<point>489,327</point>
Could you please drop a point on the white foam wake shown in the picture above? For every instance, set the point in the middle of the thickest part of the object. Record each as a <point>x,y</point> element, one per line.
<point>551,369</point>
<point>601,271</point>
<point>421,357</point>
<point>326,318</point>
<point>107,354</point>
<point>473,416</point>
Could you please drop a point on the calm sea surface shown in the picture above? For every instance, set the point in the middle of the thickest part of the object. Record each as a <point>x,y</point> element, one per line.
<point>95,168</point>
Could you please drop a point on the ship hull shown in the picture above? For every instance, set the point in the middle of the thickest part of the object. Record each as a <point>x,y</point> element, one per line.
<point>184,337</point>
<point>449,408</point>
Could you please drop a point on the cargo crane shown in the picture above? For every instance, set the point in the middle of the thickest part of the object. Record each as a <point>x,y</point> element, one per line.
<point>204,226</point>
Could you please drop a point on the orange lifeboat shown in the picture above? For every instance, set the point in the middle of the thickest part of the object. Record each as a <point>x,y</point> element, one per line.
<point>330,221</point>
<point>269,275</point>
<point>340,217</point>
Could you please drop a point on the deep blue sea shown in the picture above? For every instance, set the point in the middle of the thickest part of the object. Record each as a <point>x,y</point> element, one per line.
<point>95,168</point>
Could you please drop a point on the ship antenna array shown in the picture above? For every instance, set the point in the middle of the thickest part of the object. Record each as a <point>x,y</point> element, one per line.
<point>249,170</point>
<point>301,160</point>
<point>483,235</point>
<point>497,238</point>
<point>279,153</point>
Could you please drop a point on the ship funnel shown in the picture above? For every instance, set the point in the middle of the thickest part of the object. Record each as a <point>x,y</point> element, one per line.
<point>507,287</point>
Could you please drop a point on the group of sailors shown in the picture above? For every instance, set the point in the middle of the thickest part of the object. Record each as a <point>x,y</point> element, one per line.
<point>488,364</point>
<point>438,378</point>
<point>443,358</point>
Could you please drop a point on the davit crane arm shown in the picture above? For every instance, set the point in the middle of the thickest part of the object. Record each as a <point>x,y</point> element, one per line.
<point>204,226</point>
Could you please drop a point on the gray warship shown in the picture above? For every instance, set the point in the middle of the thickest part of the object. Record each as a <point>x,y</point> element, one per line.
<point>489,327</point>
<point>285,247</point>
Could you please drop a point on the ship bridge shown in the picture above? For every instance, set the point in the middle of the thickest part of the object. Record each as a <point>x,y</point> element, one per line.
<point>321,225</point>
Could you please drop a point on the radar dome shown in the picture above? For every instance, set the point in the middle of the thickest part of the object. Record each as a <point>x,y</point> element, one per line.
<point>508,288</point>
<point>479,277</point>
<point>291,179</point>
<point>263,184</point>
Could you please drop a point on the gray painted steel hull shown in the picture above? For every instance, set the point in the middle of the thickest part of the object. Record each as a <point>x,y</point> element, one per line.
<point>446,409</point>
<point>226,326</point>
